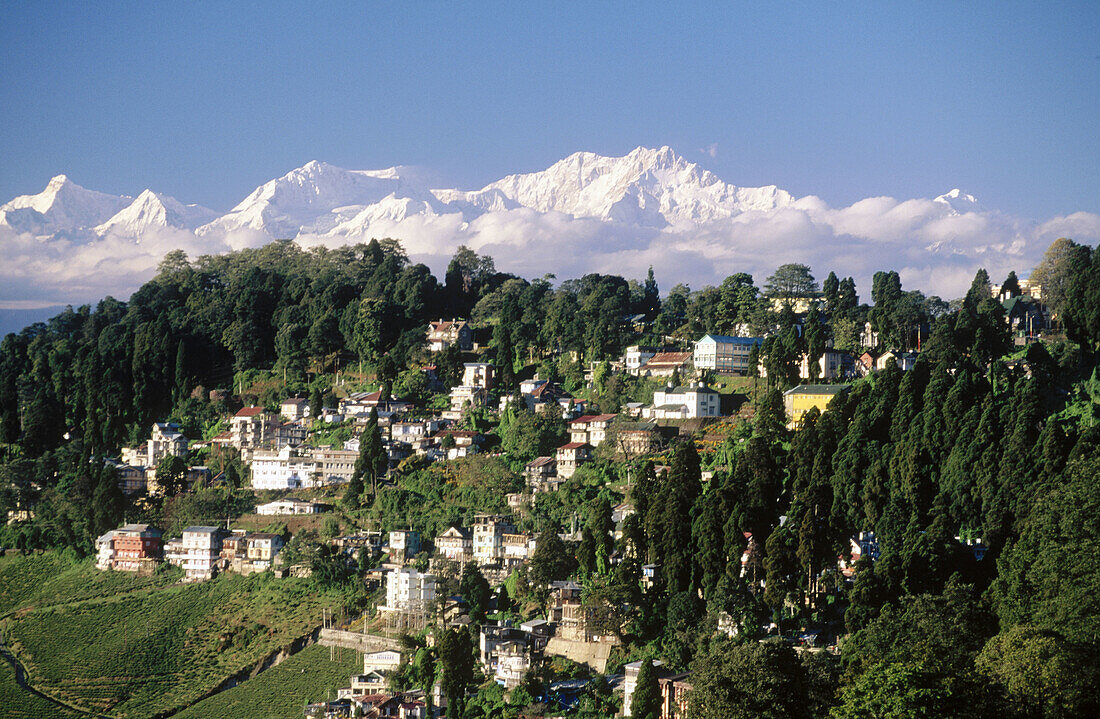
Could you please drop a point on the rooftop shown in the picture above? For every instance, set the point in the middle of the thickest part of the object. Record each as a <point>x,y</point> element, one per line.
<point>818,389</point>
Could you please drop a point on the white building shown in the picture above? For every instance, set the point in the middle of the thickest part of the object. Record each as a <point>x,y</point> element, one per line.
<point>489,531</point>
<point>294,408</point>
<point>384,661</point>
<point>725,354</point>
<point>409,590</point>
<point>404,544</point>
<point>636,356</point>
<point>285,468</point>
<point>164,440</point>
<point>289,507</point>
<point>477,374</point>
<point>690,402</point>
<point>201,547</point>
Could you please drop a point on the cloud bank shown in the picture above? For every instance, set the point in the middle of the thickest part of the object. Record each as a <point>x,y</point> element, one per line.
<point>934,252</point>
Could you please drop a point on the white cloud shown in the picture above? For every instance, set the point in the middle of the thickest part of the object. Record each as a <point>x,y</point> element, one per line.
<point>935,252</point>
<point>711,149</point>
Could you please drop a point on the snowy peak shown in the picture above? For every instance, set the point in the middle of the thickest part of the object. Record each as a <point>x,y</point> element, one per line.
<point>63,206</point>
<point>648,187</point>
<point>958,202</point>
<point>316,197</point>
<point>152,210</point>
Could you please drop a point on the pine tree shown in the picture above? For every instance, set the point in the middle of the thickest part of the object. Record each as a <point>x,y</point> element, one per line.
<point>645,703</point>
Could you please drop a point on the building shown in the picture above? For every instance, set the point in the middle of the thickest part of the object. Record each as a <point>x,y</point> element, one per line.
<point>664,364</point>
<point>455,544</point>
<point>684,402</point>
<point>635,357</point>
<point>724,354</point>
<point>833,364</point>
<point>541,474</point>
<point>404,544</point>
<point>164,440</point>
<point>385,661</point>
<point>201,549</point>
<point>591,428</point>
<point>516,548</point>
<point>290,506</point>
<point>570,456</point>
<point>630,681</point>
<point>250,427</point>
<point>408,590</point>
<point>489,531</point>
<point>261,548</point>
<point>286,468</point>
<point>636,438</point>
<point>442,334</point>
<point>294,408</point>
<point>138,548</point>
<point>465,397</point>
<point>478,374</point>
<point>797,401</point>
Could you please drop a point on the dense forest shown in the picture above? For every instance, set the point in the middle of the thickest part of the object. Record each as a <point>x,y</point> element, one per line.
<point>981,443</point>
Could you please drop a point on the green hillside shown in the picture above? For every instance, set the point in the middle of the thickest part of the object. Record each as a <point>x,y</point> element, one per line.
<point>137,651</point>
<point>280,692</point>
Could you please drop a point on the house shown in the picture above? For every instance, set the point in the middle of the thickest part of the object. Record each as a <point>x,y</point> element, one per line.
<point>799,305</point>
<point>138,548</point>
<point>636,438</point>
<point>591,428</point>
<point>384,662</point>
<point>465,397</point>
<point>516,548</point>
<point>541,474</point>
<point>724,354</point>
<point>570,456</point>
<point>832,364</point>
<point>1023,313</point>
<point>664,364</point>
<point>261,548</point>
<point>674,695</point>
<point>442,334</point>
<point>201,549</point>
<point>164,440</point>
<point>404,544</point>
<point>358,405</point>
<point>372,682</point>
<point>250,427</point>
<point>797,401</point>
<point>630,681</point>
<point>904,360</point>
<point>286,468</point>
<point>636,356</point>
<point>408,590</point>
<point>489,531</point>
<point>539,393</point>
<point>131,479</point>
<point>294,408</point>
<point>684,402</point>
<point>862,546</point>
<point>865,363</point>
<point>290,506</point>
<point>478,374</point>
<point>455,544</point>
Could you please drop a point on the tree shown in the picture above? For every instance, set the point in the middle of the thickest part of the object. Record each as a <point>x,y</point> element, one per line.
<point>456,658</point>
<point>748,681</point>
<point>790,281</point>
<point>475,590</point>
<point>172,475</point>
<point>552,561</point>
<point>645,703</point>
<point>1054,271</point>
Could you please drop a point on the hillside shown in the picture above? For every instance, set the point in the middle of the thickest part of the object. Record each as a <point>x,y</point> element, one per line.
<point>135,650</point>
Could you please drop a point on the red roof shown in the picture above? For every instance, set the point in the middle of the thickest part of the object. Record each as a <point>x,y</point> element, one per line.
<point>250,412</point>
<point>575,445</point>
<point>669,358</point>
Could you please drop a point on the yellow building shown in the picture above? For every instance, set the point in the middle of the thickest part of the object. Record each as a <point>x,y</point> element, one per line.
<point>800,399</point>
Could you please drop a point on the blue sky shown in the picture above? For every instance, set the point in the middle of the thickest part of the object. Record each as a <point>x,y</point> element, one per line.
<point>842,101</point>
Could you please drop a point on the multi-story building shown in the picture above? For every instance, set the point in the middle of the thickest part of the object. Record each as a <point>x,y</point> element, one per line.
<point>725,354</point>
<point>541,474</point>
<point>294,408</point>
<point>201,550</point>
<point>286,468</point>
<point>685,402</point>
<point>478,374</point>
<point>404,544</point>
<point>455,544</point>
<point>138,548</point>
<point>442,334</point>
<point>636,356</point>
<point>489,531</point>
<point>165,440</point>
<point>591,428</point>
<point>250,427</point>
<point>570,456</point>
<point>261,548</point>
<point>408,590</point>
<point>797,401</point>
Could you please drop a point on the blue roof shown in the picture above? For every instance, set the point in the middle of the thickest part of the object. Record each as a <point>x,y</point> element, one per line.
<point>726,339</point>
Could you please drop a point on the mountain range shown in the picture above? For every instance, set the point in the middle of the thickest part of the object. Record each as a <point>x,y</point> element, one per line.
<point>584,213</point>
<point>647,188</point>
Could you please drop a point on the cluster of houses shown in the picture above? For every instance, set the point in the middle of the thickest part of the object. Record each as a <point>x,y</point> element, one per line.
<point>201,551</point>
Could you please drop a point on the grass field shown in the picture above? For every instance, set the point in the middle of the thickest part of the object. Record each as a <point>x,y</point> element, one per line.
<point>47,579</point>
<point>112,642</point>
<point>281,692</point>
<point>16,703</point>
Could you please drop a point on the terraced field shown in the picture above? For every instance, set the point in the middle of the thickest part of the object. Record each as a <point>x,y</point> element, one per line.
<point>282,691</point>
<point>132,647</point>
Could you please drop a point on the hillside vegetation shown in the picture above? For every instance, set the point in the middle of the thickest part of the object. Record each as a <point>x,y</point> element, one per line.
<point>141,651</point>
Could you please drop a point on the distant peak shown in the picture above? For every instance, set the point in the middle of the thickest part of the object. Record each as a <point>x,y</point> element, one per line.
<point>59,180</point>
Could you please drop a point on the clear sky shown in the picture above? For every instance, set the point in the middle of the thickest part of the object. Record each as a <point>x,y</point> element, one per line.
<point>205,101</point>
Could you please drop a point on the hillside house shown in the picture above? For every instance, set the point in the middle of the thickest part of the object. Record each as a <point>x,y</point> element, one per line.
<point>797,401</point>
<point>251,427</point>
<point>635,357</point>
<point>478,374</point>
<point>408,590</point>
<point>201,549</point>
<point>455,544</point>
<point>294,408</point>
<point>444,333</point>
<point>904,360</point>
<point>664,364</point>
<point>541,474</point>
<point>165,440</point>
<point>684,402</point>
<point>637,438</point>
<point>290,506</point>
<point>404,544</point>
<point>832,364</point>
<point>724,354</point>
<point>571,456</point>
<point>489,531</point>
<point>591,428</point>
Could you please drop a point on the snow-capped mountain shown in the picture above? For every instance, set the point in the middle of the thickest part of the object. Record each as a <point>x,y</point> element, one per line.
<point>317,197</point>
<point>151,211</point>
<point>958,202</point>
<point>63,207</point>
<point>646,187</point>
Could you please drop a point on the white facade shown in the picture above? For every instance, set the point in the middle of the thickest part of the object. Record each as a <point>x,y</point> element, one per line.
<point>409,590</point>
<point>282,469</point>
<point>477,374</point>
<point>489,539</point>
<point>636,356</point>
<point>201,547</point>
<point>288,507</point>
<point>721,353</point>
<point>684,403</point>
